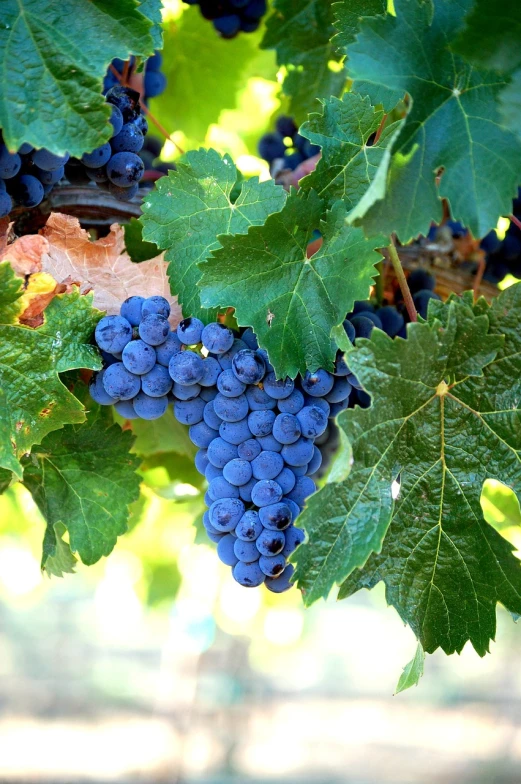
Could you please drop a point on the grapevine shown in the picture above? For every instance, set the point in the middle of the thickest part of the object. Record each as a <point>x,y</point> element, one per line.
<point>327,328</point>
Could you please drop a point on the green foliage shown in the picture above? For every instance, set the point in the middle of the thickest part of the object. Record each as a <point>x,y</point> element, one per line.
<point>293,302</point>
<point>192,207</point>
<point>444,418</point>
<point>33,399</point>
<point>479,174</point>
<point>347,15</point>
<point>300,32</point>
<point>57,559</point>
<point>65,49</point>
<point>412,672</point>
<point>348,166</point>
<point>84,478</point>
<point>135,245</point>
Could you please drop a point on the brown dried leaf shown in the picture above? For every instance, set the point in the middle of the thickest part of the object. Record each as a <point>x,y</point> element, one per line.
<point>103,266</point>
<point>25,254</point>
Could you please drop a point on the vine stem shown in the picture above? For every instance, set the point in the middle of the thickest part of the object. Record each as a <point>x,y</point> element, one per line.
<point>380,129</point>
<point>402,280</point>
<point>515,221</point>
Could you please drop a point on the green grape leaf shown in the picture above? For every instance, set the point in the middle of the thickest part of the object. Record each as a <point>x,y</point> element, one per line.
<point>135,245</point>
<point>6,478</point>
<point>187,210</point>
<point>444,418</point>
<point>300,32</point>
<point>480,173</point>
<point>56,55</point>
<point>205,74</point>
<point>57,559</point>
<point>293,302</point>
<point>160,436</point>
<point>348,165</point>
<point>33,399</point>
<point>348,15</point>
<point>85,478</point>
<point>412,672</point>
<point>510,103</point>
<point>492,38</point>
<point>152,10</point>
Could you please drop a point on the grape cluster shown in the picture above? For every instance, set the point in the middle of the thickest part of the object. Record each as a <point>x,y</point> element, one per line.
<point>256,434</point>
<point>154,81</point>
<point>285,147</point>
<point>504,256</point>
<point>230,17</point>
<point>115,166</point>
<point>27,176</point>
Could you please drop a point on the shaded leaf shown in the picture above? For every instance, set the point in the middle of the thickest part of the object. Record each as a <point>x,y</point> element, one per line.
<point>57,558</point>
<point>135,245</point>
<point>412,672</point>
<point>491,38</point>
<point>348,14</point>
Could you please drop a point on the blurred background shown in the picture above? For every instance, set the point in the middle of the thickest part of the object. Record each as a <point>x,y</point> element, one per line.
<point>154,666</point>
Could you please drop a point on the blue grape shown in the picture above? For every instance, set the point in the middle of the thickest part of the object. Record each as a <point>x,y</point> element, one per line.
<point>372,317</point>
<point>261,423</point>
<point>300,470</point>
<point>110,359</point>
<point>189,331</point>
<point>225,550</point>
<point>245,491</point>
<point>221,452</point>
<point>153,329</point>
<point>120,382</point>
<point>272,565</point>
<point>292,404</point>
<point>421,279</point>
<point>129,139</point>
<point>125,408</point>
<point>154,83</point>
<point>249,526</point>
<point>98,391</point>
<point>211,472</point>
<point>125,168</point>
<point>246,551</point>
<point>211,371</point>
<point>421,301</point>
<point>248,574</point>
<point>201,435</point>
<point>286,428</point>
<point>229,385</point>
<point>248,367</point>
<point>304,487</point>
<point>299,453</point>
<point>131,310</point>
<point>317,384</point>
<point>201,461</point>
<point>272,146</point>
<point>294,537</point>
<point>228,26</point>
<point>155,62</point>
<point>235,432</point>
<point>48,178</point>
<point>165,351</point>
<point>270,542</point>
<point>294,508</point>
<point>226,359</point>
<point>265,492</point>
<point>98,157</point>
<point>48,161</point>
<point>10,163</point>
<point>237,472</point>
<point>156,305</point>
<point>217,338</point>
<point>341,368</point>
<point>259,400</point>
<point>278,389</point>
<point>189,412</point>
<point>286,479</point>
<point>336,408</point>
<point>28,190</point>
<point>209,415</point>
<point>186,367</point>
<point>186,391</point>
<point>392,321</point>
<point>139,357</point>
<point>315,462</point>
<point>313,422</point>
<point>270,443</point>
<point>267,465</point>
<point>116,120</point>
<point>226,513</point>
<point>340,392</point>
<point>148,407</point>
<point>231,409</point>
<point>349,330</point>
<point>249,449</point>
<point>281,583</point>
<point>214,537</point>
<point>123,193</point>
<point>6,204</point>
<point>207,393</point>
<point>262,355</point>
<point>207,499</point>
<point>362,326</point>
<point>275,517</point>
<point>318,402</point>
<point>221,488</point>
<point>249,337</point>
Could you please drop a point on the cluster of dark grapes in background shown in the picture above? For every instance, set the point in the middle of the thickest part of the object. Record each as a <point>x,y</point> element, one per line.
<point>285,148</point>
<point>230,17</point>
<point>154,81</point>
<point>255,434</point>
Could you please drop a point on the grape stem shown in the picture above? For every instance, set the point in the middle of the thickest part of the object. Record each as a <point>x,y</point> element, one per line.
<point>515,221</point>
<point>379,131</point>
<point>379,283</point>
<point>402,281</point>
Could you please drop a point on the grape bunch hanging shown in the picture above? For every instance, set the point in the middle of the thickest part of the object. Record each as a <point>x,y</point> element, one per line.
<point>255,434</point>
<point>285,148</point>
<point>230,17</point>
